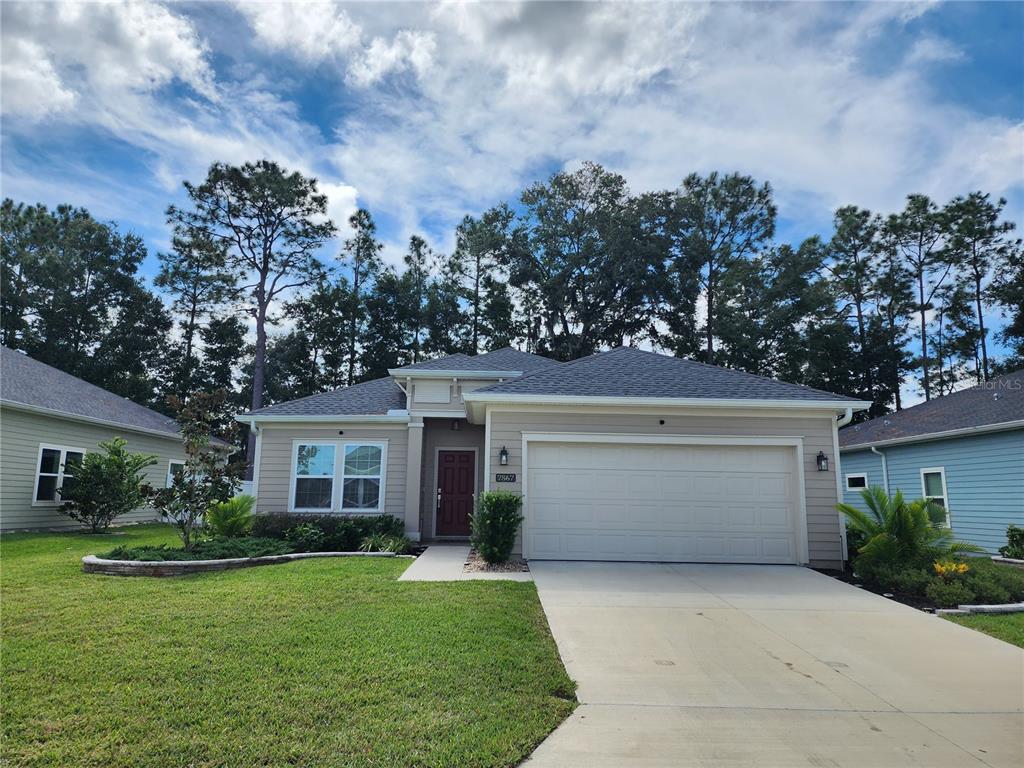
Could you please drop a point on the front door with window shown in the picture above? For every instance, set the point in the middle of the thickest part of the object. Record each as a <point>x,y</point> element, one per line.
<point>456,485</point>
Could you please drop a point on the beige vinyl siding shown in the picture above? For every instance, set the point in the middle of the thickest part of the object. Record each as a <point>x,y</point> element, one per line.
<point>823,533</point>
<point>276,461</point>
<point>439,434</point>
<point>22,432</point>
<point>455,403</point>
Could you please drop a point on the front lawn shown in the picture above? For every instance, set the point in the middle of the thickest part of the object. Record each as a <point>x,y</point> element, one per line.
<point>318,662</point>
<point>1005,626</point>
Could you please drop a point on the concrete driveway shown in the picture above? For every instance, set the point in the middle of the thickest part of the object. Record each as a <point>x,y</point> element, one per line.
<point>733,665</point>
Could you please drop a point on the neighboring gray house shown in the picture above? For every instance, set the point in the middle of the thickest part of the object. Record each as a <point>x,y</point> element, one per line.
<point>48,421</point>
<point>964,450</point>
<point>623,455</point>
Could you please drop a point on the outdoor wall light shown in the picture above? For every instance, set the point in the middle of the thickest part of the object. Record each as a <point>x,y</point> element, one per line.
<point>822,462</point>
<point>455,425</point>
<point>503,456</point>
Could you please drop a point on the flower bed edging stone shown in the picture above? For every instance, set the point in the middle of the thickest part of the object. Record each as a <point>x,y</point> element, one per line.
<point>963,610</point>
<point>1008,561</point>
<point>94,564</point>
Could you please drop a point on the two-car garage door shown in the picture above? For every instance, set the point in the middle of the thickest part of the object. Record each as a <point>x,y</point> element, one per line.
<point>661,502</point>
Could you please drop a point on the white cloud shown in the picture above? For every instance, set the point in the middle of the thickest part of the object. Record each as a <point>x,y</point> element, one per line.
<point>312,30</point>
<point>31,86</point>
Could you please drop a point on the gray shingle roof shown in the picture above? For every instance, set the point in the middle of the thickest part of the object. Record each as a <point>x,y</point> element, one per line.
<point>29,382</point>
<point>507,359</point>
<point>999,401</point>
<point>371,398</point>
<point>629,372</point>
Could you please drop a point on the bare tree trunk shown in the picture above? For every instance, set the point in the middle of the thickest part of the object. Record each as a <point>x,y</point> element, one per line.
<point>924,337</point>
<point>258,376</point>
<point>981,326</point>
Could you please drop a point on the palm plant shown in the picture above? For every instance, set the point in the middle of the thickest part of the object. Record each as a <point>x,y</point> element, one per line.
<point>901,532</point>
<point>232,517</point>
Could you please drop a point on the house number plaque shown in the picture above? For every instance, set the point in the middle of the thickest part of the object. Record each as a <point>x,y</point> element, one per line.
<point>505,477</point>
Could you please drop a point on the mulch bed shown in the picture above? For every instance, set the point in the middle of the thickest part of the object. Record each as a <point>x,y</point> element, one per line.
<point>476,564</point>
<point>849,578</point>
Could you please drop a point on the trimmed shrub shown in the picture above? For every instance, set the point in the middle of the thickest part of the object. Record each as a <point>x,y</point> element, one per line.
<point>1014,543</point>
<point>994,582</point>
<point>949,594</point>
<point>341,533</point>
<point>231,518</point>
<point>494,525</point>
<point>212,549</point>
<point>306,537</point>
<point>105,485</point>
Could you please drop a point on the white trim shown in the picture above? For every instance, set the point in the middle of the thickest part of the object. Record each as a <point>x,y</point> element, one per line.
<point>450,373</point>
<point>862,475</point>
<point>63,451</point>
<point>826,405</point>
<point>487,450</point>
<point>844,547</point>
<point>437,471</point>
<point>389,418</point>
<point>257,455</point>
<point>170,471</point>
<point>454,413</point>
<point>794,442</point>
<point>294,477</point>
<point>941,471</point>
<point>946,435</point>
<point>87,419</point>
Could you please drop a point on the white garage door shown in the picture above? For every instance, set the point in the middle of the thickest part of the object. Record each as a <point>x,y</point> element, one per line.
<point>672,503</point>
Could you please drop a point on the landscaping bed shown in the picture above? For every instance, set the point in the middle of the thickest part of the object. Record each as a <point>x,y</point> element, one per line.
<point>476,564</point>
<point>328,662</point>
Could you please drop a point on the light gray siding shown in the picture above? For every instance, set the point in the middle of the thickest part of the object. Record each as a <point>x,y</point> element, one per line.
<point>823,532</point>
<point>439,434</point>
<point>455,402</point>
<point>21,434</point>
<point>275,470</point>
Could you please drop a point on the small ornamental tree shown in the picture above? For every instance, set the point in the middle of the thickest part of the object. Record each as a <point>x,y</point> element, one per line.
<point>105,485</point>
<point>207,477</point>
<point>494,525</point>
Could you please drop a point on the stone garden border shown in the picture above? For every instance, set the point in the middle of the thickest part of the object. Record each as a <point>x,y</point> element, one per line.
<point>94,564</point>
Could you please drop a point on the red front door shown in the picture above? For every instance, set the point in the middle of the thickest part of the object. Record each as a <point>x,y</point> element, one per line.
<point>456,481</point>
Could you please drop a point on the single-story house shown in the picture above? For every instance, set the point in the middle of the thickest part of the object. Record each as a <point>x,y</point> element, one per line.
<point>965,451</point>
<point>623,455</point>
<point>48,421</point>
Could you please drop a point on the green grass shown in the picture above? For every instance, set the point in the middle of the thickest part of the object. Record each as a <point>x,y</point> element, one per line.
<point>319,662</point>
<point>1005,626</point>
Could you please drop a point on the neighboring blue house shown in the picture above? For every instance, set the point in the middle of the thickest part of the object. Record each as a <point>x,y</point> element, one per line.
<point>964,450</point>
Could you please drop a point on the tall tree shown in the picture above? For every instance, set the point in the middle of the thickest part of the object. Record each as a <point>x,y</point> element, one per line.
<point>272,223</point>
<point>448,325</point>
<point>26,232</point>
<point>894,296</point>
<point>318,316</point>
<point>419,260</point>
<point>196,277</point>
<point>388,342</point>
<point>922,229</point>
<point>498,325</point>
<point>362,255</point>
<point>1008,291</point>
<point>721,220</point>
<point>574,254</point>
<point>852,265</point>
<point>954,339</point>
<point>977,242</point>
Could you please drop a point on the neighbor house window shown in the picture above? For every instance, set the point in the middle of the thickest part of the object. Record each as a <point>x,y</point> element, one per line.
<point>856,482</point>
<point>313,479</point>
<point>933,487</point>
<point>173,469</point>
<point>56,464</point>
<point>362,476</point>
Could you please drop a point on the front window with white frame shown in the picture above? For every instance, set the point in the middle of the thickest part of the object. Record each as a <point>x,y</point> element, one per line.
<point>313,478</point>
<point>856,481</point>
<point>362,475</point>
<point>933,487</point>
<point>338,476</point>
<point>55,464</point>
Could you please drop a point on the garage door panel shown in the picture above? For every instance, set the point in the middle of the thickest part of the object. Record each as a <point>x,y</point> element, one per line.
<point>661,502</point>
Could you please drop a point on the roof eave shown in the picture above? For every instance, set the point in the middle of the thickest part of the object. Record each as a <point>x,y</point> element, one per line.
<point>948,434</point>
<point>53,412</point>
<point>391,417</point>
<point>495,398</point>
<point>449,373</point>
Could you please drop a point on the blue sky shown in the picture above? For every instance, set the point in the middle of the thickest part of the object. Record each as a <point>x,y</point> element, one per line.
<point>423,113</point>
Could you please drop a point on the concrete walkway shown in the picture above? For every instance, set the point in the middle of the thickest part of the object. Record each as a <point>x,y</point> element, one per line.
<point>444,562</point>
<point>719,665</point>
